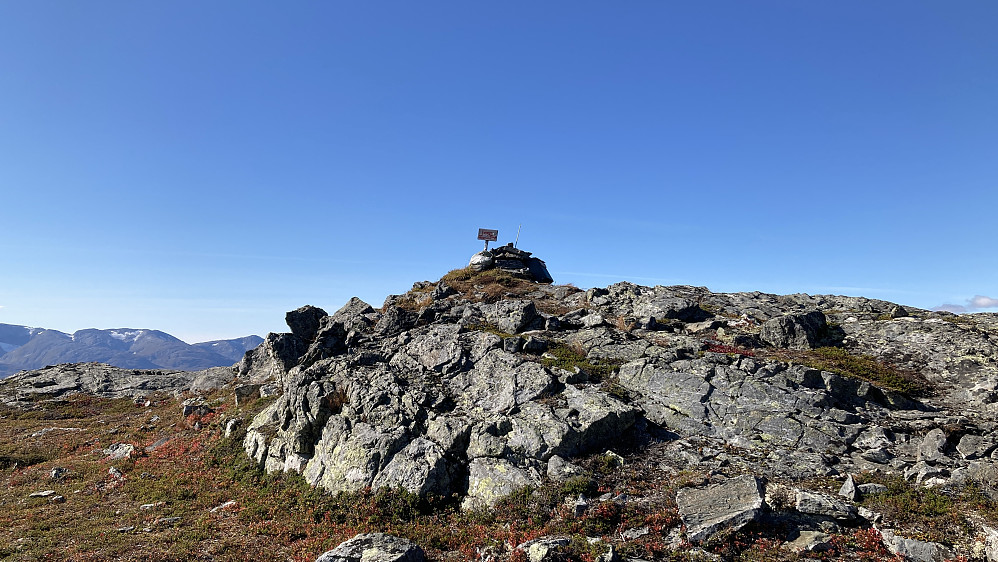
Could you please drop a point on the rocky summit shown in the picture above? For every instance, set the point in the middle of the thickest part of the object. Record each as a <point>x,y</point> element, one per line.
<point>483,387</point>
<point>775,411</point>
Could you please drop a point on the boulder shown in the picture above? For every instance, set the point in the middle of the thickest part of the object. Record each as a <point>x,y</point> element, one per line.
<point>490,479</point>
<point>304,322</point>
<point>813,503</point>
<point>848,489</point>
<point>482,261</point>
<point>374,547</point>
<point>728,505</point>
<point>973,447</point>
<point>932,446</point>
<point>354,315</point>
<point>543,549</point>
<point>915,550</point>
<point>795,331</point>
<point>561,470</point>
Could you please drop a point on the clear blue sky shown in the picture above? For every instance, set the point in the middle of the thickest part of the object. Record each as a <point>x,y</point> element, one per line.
<point>203,167</point>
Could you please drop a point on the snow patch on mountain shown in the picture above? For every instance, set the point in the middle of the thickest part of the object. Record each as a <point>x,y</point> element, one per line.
<point>127,337</point>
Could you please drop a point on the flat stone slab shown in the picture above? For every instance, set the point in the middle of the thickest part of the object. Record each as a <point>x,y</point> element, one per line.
<point>728,505</point>
<point>915,550</point>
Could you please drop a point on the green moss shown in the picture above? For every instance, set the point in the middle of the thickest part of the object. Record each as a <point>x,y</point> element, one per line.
<point>839,361</point>
<point>569,358</point>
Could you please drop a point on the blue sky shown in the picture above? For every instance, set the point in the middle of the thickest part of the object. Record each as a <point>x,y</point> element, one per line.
<point>203,167</point>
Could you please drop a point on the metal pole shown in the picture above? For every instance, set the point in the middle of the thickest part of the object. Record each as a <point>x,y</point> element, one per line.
<point>517,235</point>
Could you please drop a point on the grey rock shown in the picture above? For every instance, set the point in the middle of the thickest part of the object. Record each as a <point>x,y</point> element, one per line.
<point>231,426</point>
<point>94,379</point>
<point>510,316</point>
<point>304,322</point>
<point>795,331</point>
<point>848,489</point>
<point>374,547</point>
<point>119,451</point>
<point>880,455</point>
<point>272,359</point>
<point>196,406</point>
<point>543,549</point>
<point>973,447</point>
<point>814,503</point>
<point>246,392</point>
<point>535,345</point>
<point>394,321</point>
<point>915,550</point>
<point>729,505</point>
<point>212,379</point>
<point>922,471</point>
<point>561,470</point>
<point>58,473</point>
<point>932,446</point>
<point>490,479</point>
<point>869,514</point>
<point>990,543</point>
<point>42,494</point>
<point>355,315</point>
<point>871,489</point>
<point>634,533</point>
<point>482,261</point>
<point>157,444</point>
<point>420,467</point>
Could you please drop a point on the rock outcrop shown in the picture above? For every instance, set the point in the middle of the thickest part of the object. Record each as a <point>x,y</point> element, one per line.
<point>98,379</point>
<point>461,395</point>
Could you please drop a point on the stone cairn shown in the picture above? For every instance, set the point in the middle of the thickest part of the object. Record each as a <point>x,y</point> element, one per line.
<point>514,261</point>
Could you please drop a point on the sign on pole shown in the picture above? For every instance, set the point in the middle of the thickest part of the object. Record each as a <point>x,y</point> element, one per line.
<point>488,235</point>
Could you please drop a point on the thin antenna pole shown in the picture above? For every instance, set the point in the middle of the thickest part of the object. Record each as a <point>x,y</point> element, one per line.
<point>517,235</point>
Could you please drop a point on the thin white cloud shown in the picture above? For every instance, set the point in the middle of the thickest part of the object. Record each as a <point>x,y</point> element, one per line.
<point>981,301</point>
<point>977,303</point>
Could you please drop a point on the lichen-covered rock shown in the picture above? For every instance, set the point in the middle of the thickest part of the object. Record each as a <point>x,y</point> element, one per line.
<point>729,505</point>
<point>272,359</point>
<point>490,479</point>
<point>374,547</point>
<point>915,550</point>
<point>795,331</point>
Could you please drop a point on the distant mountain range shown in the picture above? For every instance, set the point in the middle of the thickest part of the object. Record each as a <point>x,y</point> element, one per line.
<point>23,348</point>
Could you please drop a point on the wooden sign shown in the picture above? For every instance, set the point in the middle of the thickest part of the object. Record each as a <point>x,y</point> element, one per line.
<point>488,235</point>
